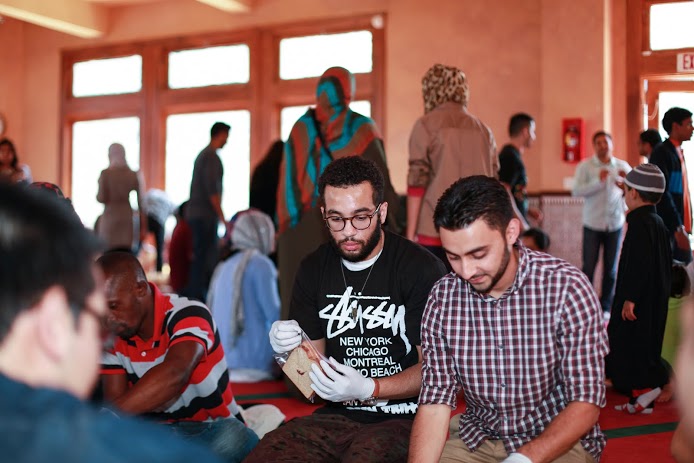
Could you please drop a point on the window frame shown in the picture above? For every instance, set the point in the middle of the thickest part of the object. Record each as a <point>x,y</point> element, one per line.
<point>264,95</point>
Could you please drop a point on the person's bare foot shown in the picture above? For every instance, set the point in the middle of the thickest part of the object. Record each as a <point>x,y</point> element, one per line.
<point>666,394</point>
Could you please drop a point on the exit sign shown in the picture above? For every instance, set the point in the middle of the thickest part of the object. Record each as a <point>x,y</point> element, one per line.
<point>685,62</point>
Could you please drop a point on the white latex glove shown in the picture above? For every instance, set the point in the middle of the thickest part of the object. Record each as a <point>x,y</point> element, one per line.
<point>285,335</point>
<point>339,383</point>
<point>516,457</point>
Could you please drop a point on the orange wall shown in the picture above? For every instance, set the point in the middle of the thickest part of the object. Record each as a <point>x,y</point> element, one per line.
<point>550,58</point>
<point>11,79</point>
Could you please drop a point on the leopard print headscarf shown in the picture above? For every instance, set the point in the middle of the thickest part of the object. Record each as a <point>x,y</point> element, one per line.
<point>444,83</point>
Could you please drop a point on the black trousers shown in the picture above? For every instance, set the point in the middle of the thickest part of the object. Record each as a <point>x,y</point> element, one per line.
<point>158,230</point>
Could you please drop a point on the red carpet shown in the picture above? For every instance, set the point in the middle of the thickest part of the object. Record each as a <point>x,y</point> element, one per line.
<point>631,438</point>
<point>652,448</point>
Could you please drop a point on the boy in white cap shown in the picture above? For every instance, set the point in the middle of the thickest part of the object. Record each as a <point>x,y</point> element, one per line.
<point>639,312</point>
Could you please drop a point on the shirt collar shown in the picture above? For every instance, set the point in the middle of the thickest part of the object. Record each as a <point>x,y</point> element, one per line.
<point>523,267</point>
<point>521,274</point>
<point>161,304</point>
<point>640,211</point>
<point>450,105</point>
<point>598,162</point>
<point>363,265</point>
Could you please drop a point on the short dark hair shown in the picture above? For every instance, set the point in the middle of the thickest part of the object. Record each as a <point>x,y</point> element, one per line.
<point>673,115</point>
<point>122,263</point>
<point>473,198</point>
<point>10,145</point>
<point>601,133</point>
<point>518,122</point>
<point>219,127</point>
<point>42,244</point>
<point>650,136</point>
<point>351,171</point>
<point>540,238</point>
<point>647,196</point>
<point>181,210</point>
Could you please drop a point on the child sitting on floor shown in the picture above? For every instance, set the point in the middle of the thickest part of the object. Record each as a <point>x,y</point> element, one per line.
<point>639,311</point>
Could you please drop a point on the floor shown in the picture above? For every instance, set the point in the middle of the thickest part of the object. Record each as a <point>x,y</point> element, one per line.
<point>631,438</point>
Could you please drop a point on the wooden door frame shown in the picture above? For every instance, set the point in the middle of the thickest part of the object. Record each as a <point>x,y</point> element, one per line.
<point>646,68</point>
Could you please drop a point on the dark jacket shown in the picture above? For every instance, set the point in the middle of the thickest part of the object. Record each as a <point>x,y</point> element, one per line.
<point>644,278</point>
<point>43,425</point>
<point>671,206</point>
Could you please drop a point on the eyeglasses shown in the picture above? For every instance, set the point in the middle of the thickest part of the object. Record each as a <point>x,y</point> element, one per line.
<point>359,221</point>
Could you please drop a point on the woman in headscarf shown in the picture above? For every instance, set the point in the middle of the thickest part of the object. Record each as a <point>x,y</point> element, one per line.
<point>446,143</point>
<point>243,296</point>
<point>329,131</point>
<point>115,184</point>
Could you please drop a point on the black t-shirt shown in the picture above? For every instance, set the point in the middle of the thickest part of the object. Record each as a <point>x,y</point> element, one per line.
<point>512,171</point>
<point>376,332</point>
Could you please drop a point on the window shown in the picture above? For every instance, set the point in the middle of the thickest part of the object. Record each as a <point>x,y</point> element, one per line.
<point>209,66</point>
<point>90,142</point>
<point>188,134</point>
<point>160,98</point>
<point>107,76</point>
<point>671,25</point>
<point>309,56</point>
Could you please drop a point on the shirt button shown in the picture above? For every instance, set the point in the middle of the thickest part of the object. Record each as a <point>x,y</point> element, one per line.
<point>501,347</point>
<point>503,385</point>
<point>144,354</point>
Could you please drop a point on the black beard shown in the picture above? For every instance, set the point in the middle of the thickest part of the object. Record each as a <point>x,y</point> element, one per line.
<point>369,246</point>
<point>500,272</point>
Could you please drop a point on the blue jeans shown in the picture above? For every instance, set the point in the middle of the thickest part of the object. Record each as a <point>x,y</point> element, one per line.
<point>205,251</point>
<point>230,439</point>
<point>592,240</point>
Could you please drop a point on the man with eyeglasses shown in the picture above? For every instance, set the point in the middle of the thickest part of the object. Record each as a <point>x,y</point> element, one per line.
<point>359,298</point>
<point>51,308</point>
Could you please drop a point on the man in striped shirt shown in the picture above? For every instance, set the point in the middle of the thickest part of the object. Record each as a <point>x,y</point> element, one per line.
<point>167,362</point>
<point>519,331</point>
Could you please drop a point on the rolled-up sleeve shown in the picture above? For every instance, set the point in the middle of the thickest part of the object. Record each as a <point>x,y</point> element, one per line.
<point>582,343</point>
<point>111,364</point>
<point>439,384</point>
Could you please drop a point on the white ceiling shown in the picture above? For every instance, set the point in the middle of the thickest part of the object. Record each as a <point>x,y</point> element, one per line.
<point>90,18</point>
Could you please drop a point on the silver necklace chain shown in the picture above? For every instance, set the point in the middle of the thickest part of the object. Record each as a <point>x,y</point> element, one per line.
<point>353,313</point>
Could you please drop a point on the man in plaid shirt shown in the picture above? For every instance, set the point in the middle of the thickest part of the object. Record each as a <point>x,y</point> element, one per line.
<point>519,331</point>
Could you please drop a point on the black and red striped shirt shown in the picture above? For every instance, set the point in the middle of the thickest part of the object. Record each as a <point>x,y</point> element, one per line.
<point>208,394</point>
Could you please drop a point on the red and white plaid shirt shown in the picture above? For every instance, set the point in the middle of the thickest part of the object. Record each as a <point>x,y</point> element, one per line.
<point>519,359</point>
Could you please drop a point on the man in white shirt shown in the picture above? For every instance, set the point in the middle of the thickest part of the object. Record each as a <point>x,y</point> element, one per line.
<point>598,180</point>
